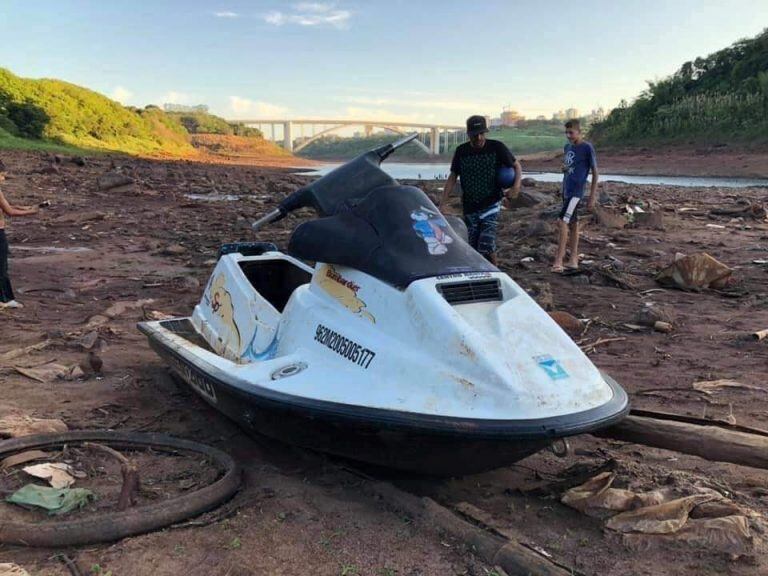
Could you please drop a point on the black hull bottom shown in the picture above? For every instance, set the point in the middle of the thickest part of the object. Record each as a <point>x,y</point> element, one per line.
<point>464,450</point>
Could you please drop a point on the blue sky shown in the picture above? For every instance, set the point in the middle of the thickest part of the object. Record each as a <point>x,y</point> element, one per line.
<point>400,59</point>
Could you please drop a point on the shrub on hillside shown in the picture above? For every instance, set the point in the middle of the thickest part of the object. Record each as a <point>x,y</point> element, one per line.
<point>30,120</point>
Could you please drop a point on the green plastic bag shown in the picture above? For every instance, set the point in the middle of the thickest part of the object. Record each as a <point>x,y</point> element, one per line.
<point>55,500</point>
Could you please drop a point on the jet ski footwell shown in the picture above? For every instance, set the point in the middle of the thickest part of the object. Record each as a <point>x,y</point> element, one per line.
<point>423,443</point>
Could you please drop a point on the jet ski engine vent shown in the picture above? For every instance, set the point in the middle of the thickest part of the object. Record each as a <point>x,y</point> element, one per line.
<point>472,291</point>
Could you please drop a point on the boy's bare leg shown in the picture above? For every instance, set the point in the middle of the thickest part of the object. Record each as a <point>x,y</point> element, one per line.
<point>562,241</point>
<point>573,245</point>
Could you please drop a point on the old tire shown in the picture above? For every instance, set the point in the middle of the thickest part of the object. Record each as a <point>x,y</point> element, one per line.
<point>120,524</point>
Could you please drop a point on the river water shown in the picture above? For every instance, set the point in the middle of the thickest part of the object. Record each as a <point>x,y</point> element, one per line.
<point>412,171</point>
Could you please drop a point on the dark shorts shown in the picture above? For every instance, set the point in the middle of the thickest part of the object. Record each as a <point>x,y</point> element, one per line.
<point>6,292</point>
<point>481,229</point>
<point>569,213</point>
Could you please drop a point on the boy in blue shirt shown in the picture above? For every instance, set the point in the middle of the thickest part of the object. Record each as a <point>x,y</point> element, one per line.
<point>578,159</point>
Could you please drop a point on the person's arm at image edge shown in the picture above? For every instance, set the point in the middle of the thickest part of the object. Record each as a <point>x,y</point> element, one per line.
<point>448,189</point>
<point>592,200</point>
<point>515,190</point>
<point>6,207</point>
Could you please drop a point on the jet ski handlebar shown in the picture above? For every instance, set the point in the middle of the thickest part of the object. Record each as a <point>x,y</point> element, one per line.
<point>355,177</point>
<point>387,149</point>
<point>271,216</point>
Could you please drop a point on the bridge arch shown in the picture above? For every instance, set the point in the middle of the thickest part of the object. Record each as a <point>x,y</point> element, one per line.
<point>333,129</point>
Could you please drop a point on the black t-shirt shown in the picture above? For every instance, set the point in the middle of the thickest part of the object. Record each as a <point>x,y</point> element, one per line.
<point>477,169</point>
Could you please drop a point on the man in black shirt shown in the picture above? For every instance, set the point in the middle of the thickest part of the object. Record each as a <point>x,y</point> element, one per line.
<point>477,163</point>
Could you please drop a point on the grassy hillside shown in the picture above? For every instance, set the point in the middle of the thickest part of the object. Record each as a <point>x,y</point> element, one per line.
<point>722,98</point>
<point>69,114</point>
<point>56,116</point>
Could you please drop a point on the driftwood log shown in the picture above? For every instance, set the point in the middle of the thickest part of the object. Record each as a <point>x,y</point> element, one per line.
<point>514,558</point>
<point>714,443</point>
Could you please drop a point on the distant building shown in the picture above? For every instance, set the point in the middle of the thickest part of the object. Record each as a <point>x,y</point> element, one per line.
<point>495,123</point>
<point>200,108</point>
<point>559,116</point>
<point>511,117</point>
<point>541,118</point>
<point>571,113</point>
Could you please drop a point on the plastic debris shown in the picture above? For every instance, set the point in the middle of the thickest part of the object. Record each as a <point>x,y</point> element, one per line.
<point>48,372</point>
<point>9,569</point>
<point>663,518</point>
<point>56,501</point>
<point>695,272</point>
<point>597,498</point>
<point>58,474</point>
<point>6,357</point>
<point>23,458</point>
<point>15,425</point>
<point>712,386</point>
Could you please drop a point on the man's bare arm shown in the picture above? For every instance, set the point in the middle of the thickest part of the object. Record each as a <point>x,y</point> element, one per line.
<point>518,178</point>
<point>10,210</point>
<point>448,189</point>
<point>592,200</point>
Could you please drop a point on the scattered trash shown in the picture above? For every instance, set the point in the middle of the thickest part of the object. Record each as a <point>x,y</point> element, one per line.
<point>598,499</point>
<point>23,458</point>
<point>727,535</point>
<point>568,322</point>
<point>56,501</point>
<point>157,315</point>
<point>15,425</point>
<point>664,327</point>
<point>48,372</point>
<point>760,334</point>
<point>662,518</point>
<point>712,386</point>
<point>706,520</point>
<point>695,272</point>
<point>17,352</point>
<point>716,226</point>
<point>58,474</point>
<point>9,569</point>
<point>116,310</point>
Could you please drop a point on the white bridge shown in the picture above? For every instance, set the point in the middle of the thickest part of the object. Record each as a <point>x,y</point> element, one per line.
<point>433,138</point>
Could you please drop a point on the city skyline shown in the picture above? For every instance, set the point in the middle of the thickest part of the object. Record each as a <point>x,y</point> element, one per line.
<point>432,62</point>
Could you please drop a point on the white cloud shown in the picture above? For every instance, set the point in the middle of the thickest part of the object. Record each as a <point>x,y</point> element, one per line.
<point>310,14</point>
<point>174,97</point>
<point>121,94</point>
<point>246,107</point>
<point>226,14</point>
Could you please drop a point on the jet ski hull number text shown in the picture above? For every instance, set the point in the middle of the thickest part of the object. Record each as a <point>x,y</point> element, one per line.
<point>344,347</point>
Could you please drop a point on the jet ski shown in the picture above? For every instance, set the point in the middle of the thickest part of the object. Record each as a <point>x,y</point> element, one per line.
<point>381,336</point>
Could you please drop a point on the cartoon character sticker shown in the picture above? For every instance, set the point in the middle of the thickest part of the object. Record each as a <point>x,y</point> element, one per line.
<point>222,306</point>
<point>430,226</point>
<point>343,290</point>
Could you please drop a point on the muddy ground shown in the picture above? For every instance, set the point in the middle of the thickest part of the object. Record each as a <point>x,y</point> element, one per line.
<point>301,513</point>
<point>714,160</point>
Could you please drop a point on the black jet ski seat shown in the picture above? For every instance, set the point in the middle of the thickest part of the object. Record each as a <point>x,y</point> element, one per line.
<point>394,233</point>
